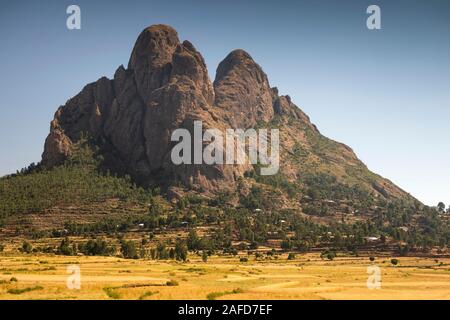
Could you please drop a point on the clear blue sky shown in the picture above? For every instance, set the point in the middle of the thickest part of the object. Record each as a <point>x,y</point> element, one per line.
<point>385,93</point>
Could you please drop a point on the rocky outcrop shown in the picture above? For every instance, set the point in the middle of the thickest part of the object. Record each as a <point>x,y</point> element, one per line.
<point>57,148</point>
<point>131,118</point>
<point>243,90</point>
<point>166,86</point>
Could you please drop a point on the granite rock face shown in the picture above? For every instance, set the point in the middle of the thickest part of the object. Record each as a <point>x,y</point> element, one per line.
<point>131,118</point>
<point>166,86</point>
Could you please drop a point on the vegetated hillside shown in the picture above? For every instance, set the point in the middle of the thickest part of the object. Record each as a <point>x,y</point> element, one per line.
<point>37,198</point>
<point>78,199</point>
<point>106,164</point>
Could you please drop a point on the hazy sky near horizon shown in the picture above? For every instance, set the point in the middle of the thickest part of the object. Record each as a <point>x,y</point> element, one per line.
<point>385,93</point>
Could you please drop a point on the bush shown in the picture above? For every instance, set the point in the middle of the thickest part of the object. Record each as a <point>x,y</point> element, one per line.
<point>286,244</point>
<point>291,256</point>
<point>394,262</point>
<point>20,291</point>
<point>254,245</point>
<point>330,255</point>
<point>215,295</point>
<point>172,283</point>
<point>372,258</point>
<point>243,259</point>
<point>403,250</point>
<point>147,294</point>
<point>66,249</point>
<point>2,247</point>
<point>110,292</point>
<point>27,247</point>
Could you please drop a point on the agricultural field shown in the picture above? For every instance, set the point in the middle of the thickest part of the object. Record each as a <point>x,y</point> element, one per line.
<point>307,276</point>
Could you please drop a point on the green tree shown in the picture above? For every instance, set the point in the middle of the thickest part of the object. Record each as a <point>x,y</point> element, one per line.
<point>161,251</point>
<point>181,250</point>
<point>128,249</point>
<point>155,208</point>
<point>96,247</point>
<point>204,256</point>
<point>65,248</point>
<point>441,207</point>
<point>287,244</point>
<point>172,253</point>
<point>192,240</point>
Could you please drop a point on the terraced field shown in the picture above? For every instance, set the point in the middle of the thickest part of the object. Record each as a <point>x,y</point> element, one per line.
<point>306,277</point>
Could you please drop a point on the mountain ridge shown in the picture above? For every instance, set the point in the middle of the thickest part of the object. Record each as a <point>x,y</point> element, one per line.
<point>166,86</point>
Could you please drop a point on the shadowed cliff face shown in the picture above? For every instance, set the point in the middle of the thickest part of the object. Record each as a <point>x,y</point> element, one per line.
<point>166,86</point>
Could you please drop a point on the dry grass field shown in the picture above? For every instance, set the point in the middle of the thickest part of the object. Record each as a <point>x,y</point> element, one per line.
<point>305,277</point>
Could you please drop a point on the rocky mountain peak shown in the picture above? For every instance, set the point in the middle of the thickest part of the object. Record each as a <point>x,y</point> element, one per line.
<point>151,58</point>
<point>154,47</point>
<point>131,117</point>
<point>242,88</point>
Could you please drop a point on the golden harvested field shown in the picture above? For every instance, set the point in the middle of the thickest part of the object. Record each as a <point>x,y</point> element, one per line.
<point>306,277</point>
